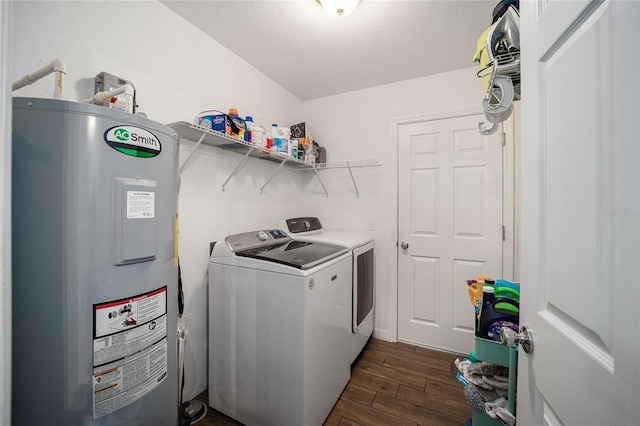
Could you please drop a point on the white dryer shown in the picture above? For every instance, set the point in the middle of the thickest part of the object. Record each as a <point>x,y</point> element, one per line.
<point>278,328</point>
<point>361,246</point>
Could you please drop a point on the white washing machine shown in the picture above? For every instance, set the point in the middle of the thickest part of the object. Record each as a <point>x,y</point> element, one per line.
<point>278,328</point>
<point>361,245</point>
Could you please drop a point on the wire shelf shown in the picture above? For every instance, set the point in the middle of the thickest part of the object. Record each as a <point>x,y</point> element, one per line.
<point>200,135</point>
<point>344,165</point>
<point>193,132</point>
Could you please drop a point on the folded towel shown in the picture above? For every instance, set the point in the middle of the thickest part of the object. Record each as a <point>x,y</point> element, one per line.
<point>484,374</point>
<point>498,409</point>
<point>488,369</point>
<point>492,381</point>
<point>476,379</point>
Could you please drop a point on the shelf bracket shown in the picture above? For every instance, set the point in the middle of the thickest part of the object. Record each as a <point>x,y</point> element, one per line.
<point>273,175</point>
<point>238,167</point>
<point>326,194</point>
<point>353,180</point>
<point>195,148</point>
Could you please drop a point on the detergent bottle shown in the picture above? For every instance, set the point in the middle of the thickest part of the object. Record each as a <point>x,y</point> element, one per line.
<point>235,124</point>
<point>255,133</point>
<point>275,137</point>
<point>248,122</point>
<point>280,136</point>
<point>492,319</point>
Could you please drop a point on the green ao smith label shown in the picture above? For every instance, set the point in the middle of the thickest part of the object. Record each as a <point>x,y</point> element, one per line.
<point>133,141</point>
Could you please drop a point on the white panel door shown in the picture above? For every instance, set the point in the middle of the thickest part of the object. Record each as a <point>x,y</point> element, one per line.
<point>580,213</point>
<point>450,215</point>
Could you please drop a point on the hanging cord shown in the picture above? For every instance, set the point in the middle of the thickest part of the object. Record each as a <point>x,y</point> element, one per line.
<point>183,416</point>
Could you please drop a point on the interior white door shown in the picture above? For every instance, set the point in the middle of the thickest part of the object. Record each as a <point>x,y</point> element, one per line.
<point>580,213</point>
<point>5,215</point>
<point>450,219</point>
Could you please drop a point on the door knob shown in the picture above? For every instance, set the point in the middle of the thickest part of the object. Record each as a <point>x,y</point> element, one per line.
<point>508,337</point>
<point>404,245</point>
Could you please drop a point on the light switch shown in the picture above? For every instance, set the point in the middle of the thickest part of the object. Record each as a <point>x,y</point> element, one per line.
<point>371,224</point>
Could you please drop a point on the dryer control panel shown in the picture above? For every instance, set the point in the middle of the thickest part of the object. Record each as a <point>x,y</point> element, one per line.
<point>303,224</point>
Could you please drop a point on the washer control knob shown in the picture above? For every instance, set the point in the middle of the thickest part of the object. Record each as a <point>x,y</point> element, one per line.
<point>307,224</point>
<point>262,236</point>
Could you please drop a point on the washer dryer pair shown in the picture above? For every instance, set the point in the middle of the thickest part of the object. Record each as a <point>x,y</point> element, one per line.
<point>361,246</point>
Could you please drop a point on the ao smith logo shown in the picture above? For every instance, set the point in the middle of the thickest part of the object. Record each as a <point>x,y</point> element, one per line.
<point>133,141</point>
<point>121,134</point>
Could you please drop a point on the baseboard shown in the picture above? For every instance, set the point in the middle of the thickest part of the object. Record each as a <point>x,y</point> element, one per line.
<point>190,392</point>
<point>381,334</point>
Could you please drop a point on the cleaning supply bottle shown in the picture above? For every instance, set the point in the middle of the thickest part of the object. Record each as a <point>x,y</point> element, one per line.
<point>280,136</point>
<point>487,299</point>
<point>275,137</point>
<point>248,122</point>
<point>474,289</point>
<point>302,143</point>
<point>268,140</point>
<point>482,278</point>
<point>255,133</point>
<point>235,124</point>
<point>293,148</point>
<point>286,131</point>
<point>285,134</point>
<point>492,319</point>
<point>310,154</point>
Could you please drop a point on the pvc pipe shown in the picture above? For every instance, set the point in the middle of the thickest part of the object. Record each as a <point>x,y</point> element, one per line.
<point>183,331</point>
<point>56,66</point>
<point>127,89</point>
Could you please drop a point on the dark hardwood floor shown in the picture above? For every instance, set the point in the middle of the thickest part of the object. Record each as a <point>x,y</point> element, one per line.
<point>392,384</point>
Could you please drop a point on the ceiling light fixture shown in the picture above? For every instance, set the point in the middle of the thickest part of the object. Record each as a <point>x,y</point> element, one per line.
<point>338,7</point>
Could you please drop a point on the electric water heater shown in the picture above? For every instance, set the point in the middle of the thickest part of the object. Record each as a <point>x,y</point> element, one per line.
<point>94,232</point>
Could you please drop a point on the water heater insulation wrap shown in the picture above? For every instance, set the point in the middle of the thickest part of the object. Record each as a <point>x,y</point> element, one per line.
<point>94,203</point>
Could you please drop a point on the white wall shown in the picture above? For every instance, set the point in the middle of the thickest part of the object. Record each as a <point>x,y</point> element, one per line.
<point>178,71</point>
<point>360,125</point>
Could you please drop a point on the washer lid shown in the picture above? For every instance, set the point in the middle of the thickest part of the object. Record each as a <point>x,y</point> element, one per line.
<point>299,254</point>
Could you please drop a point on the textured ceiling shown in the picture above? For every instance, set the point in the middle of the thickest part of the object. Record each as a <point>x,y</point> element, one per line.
<point>314,54</point>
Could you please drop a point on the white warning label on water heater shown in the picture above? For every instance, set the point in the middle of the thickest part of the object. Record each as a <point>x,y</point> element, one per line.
<point>141,204</point>
<point>129,349</point>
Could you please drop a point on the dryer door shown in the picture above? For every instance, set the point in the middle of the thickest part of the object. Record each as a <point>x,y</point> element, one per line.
<point>363,288</point>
